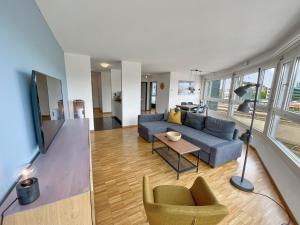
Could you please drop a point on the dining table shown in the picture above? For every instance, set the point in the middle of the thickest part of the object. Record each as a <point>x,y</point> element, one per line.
<point>188,107</point>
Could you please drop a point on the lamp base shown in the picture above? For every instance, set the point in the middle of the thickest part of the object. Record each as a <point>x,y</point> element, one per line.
<point>246,185</point>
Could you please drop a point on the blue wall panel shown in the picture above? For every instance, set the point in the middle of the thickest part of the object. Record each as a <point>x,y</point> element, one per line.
<point>26,44</point>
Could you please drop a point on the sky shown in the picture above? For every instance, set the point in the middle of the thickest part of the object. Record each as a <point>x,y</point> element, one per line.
<point>268,78</point>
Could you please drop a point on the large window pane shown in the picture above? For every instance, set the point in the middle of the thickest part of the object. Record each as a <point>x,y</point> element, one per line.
<point>218,88</point>
<point>294,103</point>
<point>265,89</point>
<point>250,79</point>
<point>288,133</point>
<point>220,107</point>
<point>282,85</point>
<point>227,85</point>
<point>245,118</point>
<point>207,88</point>
<point>215,89</point>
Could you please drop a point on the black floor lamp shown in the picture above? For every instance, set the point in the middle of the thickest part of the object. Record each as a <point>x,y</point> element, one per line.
<point>237,181</point>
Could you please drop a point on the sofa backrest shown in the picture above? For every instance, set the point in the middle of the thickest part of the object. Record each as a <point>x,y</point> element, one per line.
<point>223,129</point>
<point>194,120</point>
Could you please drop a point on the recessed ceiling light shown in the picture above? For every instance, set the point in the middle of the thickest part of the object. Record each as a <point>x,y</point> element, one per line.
<point>104,65</point>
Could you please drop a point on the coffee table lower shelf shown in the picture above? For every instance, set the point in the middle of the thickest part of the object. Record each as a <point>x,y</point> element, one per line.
<point>178,162</point>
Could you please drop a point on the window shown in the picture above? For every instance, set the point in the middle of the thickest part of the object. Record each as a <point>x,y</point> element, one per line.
<point>250,79</point>
<point>294,99</point>
<point>226,85</point>
<point>266,85</point>
<point>288,133</point>
<point>217,93</point>
<point>218,88</point>
<point>245,118</point>
<point>220,107</point>
<point>282,85</point>
<point>285,127</point>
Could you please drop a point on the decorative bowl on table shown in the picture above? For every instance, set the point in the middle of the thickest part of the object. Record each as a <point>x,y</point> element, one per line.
<point>173,136</point>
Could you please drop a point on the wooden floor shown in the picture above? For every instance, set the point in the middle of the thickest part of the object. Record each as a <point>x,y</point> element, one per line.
<point>121,159</point>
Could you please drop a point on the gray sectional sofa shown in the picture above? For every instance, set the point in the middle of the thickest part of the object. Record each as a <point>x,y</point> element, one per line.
<point>218,139</point>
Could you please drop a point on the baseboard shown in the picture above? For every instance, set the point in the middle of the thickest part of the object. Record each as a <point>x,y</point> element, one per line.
<point>289,212</point>
<point>129,126</point>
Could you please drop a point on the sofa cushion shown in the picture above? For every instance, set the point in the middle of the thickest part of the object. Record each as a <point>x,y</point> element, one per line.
<point>155,127</point>
<point>194,120</point>
<point>219,128</point>
<point>173,195</point>
<point>174,117</point>
<point>203,140</point>
<point>183,115</point>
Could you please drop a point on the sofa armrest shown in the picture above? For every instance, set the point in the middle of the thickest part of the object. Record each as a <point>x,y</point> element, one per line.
<point>150,118</point>
<point>225,152</point>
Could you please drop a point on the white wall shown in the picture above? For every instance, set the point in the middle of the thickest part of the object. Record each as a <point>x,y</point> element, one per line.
<point>78,74</point>
<point>116,86</point>
<point>96,90</point>
<point>162,97</point>
<point>106,91</point>
<point>131,92</point>
<point>176,99</point>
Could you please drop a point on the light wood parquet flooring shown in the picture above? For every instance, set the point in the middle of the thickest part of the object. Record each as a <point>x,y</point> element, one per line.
<point>121,158</point>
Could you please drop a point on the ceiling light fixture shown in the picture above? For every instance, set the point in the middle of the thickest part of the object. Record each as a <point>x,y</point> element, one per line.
<point>104,65</point>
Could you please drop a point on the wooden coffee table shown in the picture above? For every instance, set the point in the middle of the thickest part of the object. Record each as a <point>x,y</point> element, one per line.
<point>175,157</point>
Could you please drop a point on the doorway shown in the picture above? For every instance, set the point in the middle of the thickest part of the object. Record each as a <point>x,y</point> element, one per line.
<point>102,102</point>
<point>144,92</point>
<point>153,94</point>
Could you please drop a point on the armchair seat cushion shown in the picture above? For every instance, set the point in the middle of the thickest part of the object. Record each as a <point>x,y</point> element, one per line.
<point>173,195</point>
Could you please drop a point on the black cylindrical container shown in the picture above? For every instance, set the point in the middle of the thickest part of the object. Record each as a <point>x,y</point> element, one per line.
<point>28,190</point>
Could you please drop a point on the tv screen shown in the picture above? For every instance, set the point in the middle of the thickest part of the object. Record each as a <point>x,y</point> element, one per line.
<point>48,108</point>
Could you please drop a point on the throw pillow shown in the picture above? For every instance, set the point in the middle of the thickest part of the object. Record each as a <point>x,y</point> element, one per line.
<point>194,120</point>
<point>219,128</point>
<point>174,117</point>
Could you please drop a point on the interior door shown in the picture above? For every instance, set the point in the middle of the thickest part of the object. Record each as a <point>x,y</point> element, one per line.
<point>144,96</point>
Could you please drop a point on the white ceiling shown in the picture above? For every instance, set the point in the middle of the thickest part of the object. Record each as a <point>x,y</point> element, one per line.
<point>170,35</point>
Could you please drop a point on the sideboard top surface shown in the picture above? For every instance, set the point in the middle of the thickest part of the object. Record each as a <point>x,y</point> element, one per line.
<point>64,171</point>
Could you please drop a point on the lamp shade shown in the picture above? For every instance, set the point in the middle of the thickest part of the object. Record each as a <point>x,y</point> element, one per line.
<point>244,107</point>
<point>241,91</point>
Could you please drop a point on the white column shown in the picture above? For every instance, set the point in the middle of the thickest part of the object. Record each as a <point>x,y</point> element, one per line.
<point>78,74</point>
<point>106,91</point>
<point>131,92</point>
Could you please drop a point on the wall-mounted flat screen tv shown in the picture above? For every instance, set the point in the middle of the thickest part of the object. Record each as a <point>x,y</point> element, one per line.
<point>48,108</point>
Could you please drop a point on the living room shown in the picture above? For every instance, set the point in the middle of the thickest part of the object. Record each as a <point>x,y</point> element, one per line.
<point>206,96</point>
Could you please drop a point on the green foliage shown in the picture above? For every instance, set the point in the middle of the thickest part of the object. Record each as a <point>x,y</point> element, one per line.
<point>263,94</point>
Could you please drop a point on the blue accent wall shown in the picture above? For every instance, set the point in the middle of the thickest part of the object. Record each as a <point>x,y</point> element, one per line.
<point>26,44</point>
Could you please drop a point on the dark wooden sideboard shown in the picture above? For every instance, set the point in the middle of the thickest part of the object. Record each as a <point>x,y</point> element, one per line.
<point>65,179</point>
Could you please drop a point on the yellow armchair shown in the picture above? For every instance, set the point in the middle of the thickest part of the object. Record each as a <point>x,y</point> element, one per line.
<point>177,205</point>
